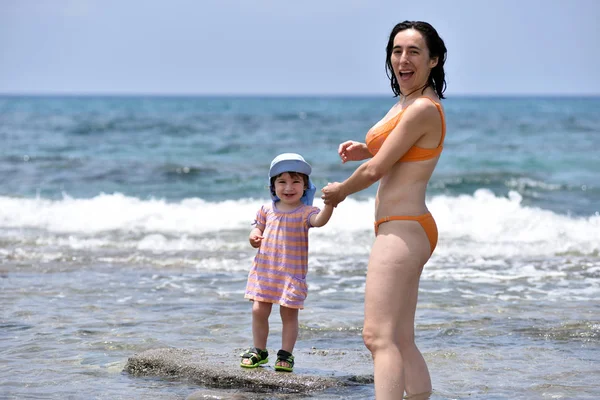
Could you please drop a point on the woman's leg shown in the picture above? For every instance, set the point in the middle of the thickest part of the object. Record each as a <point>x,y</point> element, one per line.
<point>397,258</point>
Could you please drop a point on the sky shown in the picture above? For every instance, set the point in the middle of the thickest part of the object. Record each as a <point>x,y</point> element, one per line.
<point>285,47</point>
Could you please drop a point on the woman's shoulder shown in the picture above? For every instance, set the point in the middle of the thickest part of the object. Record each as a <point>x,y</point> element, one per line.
<point>425,108</point>
<point>425,103</point>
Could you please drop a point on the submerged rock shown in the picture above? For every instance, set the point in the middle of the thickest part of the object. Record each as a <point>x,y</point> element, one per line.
<point>223,371</point>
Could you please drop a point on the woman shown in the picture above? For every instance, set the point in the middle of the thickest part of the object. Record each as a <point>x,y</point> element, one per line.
<point>403,150</point>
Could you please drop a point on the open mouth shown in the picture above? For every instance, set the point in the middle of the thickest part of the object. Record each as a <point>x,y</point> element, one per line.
<point>404,75</point>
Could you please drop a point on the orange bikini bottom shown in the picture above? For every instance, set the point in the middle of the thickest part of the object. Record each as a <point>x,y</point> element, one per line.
<point>426,221</point>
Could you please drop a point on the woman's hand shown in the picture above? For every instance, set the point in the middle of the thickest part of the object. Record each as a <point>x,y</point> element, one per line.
<point>333,194</point>
<point>353,151</point>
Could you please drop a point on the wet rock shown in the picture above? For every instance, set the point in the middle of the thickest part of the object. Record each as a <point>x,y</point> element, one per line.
<point>223,372</point>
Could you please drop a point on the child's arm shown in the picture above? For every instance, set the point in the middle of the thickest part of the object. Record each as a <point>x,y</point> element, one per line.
<point>255,238</point>
<point>320,219</point>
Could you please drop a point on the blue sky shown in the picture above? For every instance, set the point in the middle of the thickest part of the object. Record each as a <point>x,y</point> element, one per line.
<point>283,47</point>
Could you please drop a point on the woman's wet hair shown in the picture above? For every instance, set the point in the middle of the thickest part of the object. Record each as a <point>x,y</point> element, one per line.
<point>436,47</point>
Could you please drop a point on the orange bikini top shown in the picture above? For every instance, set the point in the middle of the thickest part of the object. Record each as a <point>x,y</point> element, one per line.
<point>378,134</point>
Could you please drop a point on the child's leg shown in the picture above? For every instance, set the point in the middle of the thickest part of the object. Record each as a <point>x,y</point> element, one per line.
<point>260,323</point>
<point>289,334</point>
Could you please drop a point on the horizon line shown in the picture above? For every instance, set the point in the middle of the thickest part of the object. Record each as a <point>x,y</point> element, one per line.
<point>276,95</point>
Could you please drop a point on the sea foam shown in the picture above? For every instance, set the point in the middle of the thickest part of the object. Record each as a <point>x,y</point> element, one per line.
<point>481,224</point>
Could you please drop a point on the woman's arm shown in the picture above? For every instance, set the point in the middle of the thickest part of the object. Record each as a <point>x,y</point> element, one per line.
<point>414,124</point>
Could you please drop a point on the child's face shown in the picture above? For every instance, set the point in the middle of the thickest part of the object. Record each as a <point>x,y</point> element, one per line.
<point>289,188</point>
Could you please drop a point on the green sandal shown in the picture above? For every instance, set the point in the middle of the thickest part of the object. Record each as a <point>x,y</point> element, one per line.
<point>256,356</point>
<point>284,357</point>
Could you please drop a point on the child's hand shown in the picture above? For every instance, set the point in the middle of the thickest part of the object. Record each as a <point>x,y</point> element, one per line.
<point>255,240</point>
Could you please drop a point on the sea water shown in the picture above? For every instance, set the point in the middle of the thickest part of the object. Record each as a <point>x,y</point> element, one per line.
<point>124,227</point>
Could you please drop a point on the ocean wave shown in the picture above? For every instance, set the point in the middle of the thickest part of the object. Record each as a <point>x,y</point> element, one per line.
<point>477,225</point>
<point>514,181</point>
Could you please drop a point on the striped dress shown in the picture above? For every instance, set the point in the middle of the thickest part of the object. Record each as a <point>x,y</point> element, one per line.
<point>278,273</point>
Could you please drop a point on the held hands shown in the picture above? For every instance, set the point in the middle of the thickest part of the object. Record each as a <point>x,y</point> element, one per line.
<point>332,194</point>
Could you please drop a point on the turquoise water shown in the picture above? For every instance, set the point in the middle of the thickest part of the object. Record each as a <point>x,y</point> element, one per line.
<point>124,223</point>
<point>219,148</point>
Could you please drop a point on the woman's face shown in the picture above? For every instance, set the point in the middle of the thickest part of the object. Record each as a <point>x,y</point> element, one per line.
<point>410,60</point>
